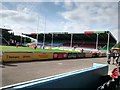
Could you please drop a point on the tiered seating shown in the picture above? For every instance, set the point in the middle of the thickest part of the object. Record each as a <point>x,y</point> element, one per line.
<point>88,46</point>
<point>85,45</point>
<point>3,41</point>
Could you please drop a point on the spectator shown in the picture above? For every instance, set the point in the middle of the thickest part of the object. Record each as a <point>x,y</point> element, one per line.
<point>109,56</point>
<point>117,54</point>
<point>35,46</point>
<point>17,44</point>
<point>82,51</point>
<point>114,56</point>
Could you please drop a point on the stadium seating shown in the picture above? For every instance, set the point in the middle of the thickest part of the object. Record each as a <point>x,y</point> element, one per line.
<point>3,41</point>
<point>82,45</point>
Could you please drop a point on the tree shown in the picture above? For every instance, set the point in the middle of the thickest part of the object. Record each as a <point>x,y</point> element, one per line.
<point>117,45</point>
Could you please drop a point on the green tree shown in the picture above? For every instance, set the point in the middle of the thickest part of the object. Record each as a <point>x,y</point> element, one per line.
<point>117,45</point>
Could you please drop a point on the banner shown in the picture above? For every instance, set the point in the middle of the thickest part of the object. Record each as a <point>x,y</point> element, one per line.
<point>80,55</point>
<point>1,54</point>
<point>88,54</point>
<point>72,55</point>
<point>60,55</point>
<point>16,56</point>
<point>42,56</point>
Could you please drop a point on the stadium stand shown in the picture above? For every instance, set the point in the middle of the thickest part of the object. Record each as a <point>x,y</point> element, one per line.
<point>5,36</point>
<point>79,40</point>
<point>8,38</point>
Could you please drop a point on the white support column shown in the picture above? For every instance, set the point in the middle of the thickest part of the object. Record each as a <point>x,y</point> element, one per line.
<point>52,40</point>
<point>21,39</point>
<point>108,43</point>
<point>71,40</point>
<point>24,40</point>
<point>97,41</point>
<point>44,40</point>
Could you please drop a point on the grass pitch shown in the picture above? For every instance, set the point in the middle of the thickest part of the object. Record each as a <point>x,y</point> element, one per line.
<point>27,49</point>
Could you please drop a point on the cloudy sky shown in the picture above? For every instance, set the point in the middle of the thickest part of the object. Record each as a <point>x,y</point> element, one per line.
<point>55,16</point>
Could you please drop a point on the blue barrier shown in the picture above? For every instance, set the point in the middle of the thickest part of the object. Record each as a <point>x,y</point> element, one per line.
<point>86,78</point>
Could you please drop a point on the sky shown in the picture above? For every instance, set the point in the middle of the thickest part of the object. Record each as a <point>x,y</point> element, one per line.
<point>60,16</point>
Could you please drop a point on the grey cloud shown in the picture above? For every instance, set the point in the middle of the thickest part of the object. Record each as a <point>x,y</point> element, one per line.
<point>21,20</point>
<point>7,13</point>
<point>86,15</point>
<point>24,18</point>
<point>98,12</point>
<point>17,16</point>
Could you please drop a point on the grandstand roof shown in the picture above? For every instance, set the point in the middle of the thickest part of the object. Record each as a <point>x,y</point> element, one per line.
<point>76,36</point>
<point>5,29</point>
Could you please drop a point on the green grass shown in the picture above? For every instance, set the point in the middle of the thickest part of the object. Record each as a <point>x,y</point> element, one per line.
<point>27,49</point>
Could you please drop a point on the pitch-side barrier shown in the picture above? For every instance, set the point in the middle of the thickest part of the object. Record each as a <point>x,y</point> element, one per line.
<point>32,56</point>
